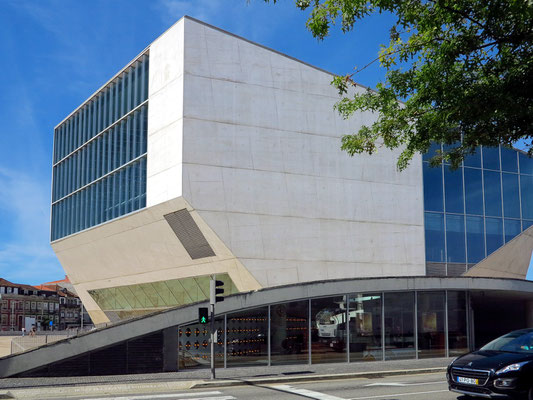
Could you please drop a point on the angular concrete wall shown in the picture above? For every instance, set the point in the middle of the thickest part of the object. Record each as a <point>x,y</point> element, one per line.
<point>262,166</point>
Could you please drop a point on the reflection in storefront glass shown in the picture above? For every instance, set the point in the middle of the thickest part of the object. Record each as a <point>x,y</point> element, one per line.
<point>365,327</point>
<point>247,337</point>
<point>289,333</point>
<point>399,326</point>
<point>194,349</point>
<point>431,326</point>
<point>328,330</point>
<point>457,332</point>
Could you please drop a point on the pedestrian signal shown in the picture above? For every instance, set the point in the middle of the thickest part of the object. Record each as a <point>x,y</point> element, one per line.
<point>203,315</point>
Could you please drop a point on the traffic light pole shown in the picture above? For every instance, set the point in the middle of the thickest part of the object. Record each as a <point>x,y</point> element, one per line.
<point>215,287</point>
<point>212,341</point>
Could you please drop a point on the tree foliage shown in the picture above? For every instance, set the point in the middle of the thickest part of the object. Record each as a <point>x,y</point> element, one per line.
<point>463,70</point>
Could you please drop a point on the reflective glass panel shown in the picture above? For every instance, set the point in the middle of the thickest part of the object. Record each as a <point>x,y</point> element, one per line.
<point>473,160</point>
<point>526,224</point>
<point>328,330</point>
<point>399,326</point>
<point>457,329</point>
<point>431,324</point>
<point>512,228</point>
<point>194,349</point>
<point>493,193</point>
<point>455,238</point>
<point>434,228</point>
<point>526,190</point>
<point>431,152</point>
<point>511,198</point>
<point>433,188</point>
<point>491,158</point>
<point>246,337</point>
<point>494,229</point>
<point>289,333</point>
<point>453,182</point>
<point>365,327</point>
<point>526,164</point>
<point>475,239</point>
<point>473,191</point>
<point>509,159</point>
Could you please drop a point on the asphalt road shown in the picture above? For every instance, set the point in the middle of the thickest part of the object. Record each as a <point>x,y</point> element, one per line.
<point>412,387</point>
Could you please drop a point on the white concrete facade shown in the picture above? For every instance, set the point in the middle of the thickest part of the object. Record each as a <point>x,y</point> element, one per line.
<point>247,139</point>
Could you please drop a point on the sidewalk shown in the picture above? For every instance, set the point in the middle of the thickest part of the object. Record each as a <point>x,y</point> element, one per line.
<point>30,388</point>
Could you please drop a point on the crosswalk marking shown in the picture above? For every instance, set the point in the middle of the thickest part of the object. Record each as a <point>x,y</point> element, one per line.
<point>184,396</point>
<point>397,395</point>
<point>307,393</point>
<point>404,384</point>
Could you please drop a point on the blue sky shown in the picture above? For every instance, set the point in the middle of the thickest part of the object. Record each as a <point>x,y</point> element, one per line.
<point>56,53</point>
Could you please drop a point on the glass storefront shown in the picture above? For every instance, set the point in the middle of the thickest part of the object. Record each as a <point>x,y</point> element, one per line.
<point>354,327</point>
<point>399,326</point>
<point>289,333</point>
<point>431,324</point>
<point>365,319</point>
<point>457,327</point>
<point>246,337</point>
<point>328,330</point>
<point>194,349</point>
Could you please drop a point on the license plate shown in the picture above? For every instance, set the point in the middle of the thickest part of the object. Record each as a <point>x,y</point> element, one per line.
<point>470,381</point>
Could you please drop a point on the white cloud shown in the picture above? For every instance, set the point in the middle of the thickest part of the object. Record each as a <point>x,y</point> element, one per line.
<point>25,253</point>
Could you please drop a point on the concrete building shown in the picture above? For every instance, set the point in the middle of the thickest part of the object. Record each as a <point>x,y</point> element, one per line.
<point>210,154</point>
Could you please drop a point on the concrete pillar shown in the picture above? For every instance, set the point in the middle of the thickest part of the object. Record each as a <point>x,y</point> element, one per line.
<point>170,349</point>
<point>529,314</point>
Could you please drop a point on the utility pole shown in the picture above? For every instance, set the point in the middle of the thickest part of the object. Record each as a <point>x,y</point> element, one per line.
<point>81,315</point>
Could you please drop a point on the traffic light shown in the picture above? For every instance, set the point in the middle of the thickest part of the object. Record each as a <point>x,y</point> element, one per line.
<point>216,289</point>
<point>203,315</point>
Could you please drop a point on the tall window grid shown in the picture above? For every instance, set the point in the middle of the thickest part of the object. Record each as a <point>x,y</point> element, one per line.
<point>472,211</point>
<point>99,157</point>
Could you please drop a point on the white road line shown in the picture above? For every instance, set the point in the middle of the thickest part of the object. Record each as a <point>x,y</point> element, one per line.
<point>306,393</point>
<point>185,396</point>
<point>397,395</point>
<point>404,384</point>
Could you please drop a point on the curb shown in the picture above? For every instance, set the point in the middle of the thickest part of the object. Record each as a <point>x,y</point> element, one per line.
<point>306,378</point>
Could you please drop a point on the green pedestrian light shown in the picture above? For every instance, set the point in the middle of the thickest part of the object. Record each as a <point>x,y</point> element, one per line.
<point>203,315</point>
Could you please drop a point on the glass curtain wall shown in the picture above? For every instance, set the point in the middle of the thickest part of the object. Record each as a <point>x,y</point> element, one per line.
<point>355,327</point>
<point>99,170</point>
<point>472,211</point>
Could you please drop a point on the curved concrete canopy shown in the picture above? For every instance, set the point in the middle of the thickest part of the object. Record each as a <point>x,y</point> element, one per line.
<point>119,332</point>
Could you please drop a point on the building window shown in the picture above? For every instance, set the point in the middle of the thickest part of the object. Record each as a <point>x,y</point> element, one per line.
<point>328,330</point>
<point>364,312</point>
<point>399,326</point>
<point>289,333</point>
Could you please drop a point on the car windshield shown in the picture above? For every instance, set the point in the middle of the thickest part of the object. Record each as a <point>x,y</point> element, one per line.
<point>515,342</point>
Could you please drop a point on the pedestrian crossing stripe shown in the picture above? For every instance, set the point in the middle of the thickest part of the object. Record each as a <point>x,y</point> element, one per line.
<point>185,396</point>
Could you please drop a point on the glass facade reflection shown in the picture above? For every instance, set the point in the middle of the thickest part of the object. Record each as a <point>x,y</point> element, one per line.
<point>472,211</point>
<point>99,158</point>
<point>380,326</point>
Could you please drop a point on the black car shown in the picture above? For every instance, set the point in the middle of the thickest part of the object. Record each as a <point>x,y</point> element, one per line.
<point>502,369</point>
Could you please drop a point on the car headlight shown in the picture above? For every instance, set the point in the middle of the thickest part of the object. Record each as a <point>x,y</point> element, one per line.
<point>512,367</point>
